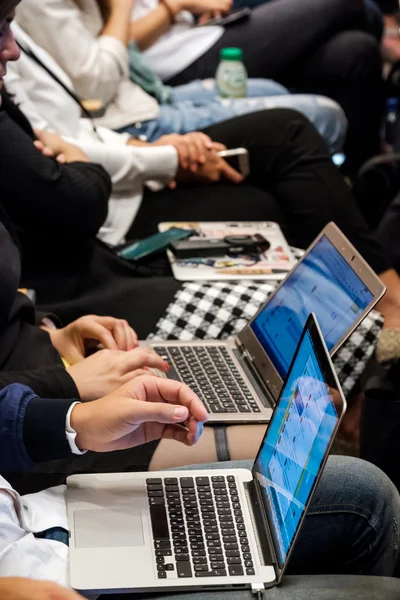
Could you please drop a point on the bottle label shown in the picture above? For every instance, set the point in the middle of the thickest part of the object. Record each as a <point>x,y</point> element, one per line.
<point>232,81</point>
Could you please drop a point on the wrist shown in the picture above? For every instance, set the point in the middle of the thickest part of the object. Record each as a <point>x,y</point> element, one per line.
<point>77,421</point>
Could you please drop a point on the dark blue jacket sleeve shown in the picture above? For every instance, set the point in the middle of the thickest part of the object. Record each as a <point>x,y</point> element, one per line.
<point>13,402</point>
<point>32,429</point>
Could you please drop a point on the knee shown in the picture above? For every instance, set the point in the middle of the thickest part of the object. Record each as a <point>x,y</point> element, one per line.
<point>366,488</point>
<point>356,53</point>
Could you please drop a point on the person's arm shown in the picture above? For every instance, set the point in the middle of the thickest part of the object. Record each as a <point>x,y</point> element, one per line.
<point>45,198</point>
<point>47,382</point>
<point>96,65</point>
<point>117,24</point>
<point>25,422</point>
<point>18,588</point>
<point>146,30</point>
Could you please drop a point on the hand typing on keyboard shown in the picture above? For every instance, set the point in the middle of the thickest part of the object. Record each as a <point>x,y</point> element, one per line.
<point>146,409</point>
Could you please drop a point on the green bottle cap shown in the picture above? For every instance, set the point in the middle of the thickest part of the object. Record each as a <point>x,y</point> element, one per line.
<point>231,54</point>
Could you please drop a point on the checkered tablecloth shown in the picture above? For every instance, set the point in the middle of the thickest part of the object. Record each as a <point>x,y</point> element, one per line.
<point>217,310</point>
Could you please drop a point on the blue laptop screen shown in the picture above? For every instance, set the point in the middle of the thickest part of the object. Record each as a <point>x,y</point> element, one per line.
<point>295,445</point>
<point>324,284</point>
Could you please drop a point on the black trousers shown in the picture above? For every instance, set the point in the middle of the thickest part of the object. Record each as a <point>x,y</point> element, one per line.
<point>328,47</point>
<point>293,181</point>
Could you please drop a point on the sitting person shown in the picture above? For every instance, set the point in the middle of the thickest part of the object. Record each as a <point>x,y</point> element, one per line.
<point>183,108</point>
<point>287,159</point>
<point>348,530</point>
<point>128,162</point>
<point>348,68</point>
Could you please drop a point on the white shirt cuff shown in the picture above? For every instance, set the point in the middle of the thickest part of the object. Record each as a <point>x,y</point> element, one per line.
<point>71,433</point>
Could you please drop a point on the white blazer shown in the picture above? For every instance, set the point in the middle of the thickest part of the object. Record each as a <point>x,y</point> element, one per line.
<point>48,106</point>
<point>96,64</point>
<point>21,554</point>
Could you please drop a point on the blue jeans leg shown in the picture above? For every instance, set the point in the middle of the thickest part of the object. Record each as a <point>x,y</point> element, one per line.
<point>352,524</point>
<point>186,116</point>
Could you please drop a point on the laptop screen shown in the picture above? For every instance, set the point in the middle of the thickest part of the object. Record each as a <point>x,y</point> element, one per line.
<point>295,444</point>
<point>323,283</point>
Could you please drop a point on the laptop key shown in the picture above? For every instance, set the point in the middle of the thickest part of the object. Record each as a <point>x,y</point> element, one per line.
<point>203,567</point>
<point>235,560</point>
<point>171,481</point>
<point>169,567</point>
<point>187,482</point>
<point>236,570</point>
<point>160,544</point>
<point>250,571</point>
<point>156,501</point>
<point>217,408</point>
<point>203,481</point>
<point>232,553</point>
<point>184,569</point>
<point>163,552</point>
<point>162,575</point>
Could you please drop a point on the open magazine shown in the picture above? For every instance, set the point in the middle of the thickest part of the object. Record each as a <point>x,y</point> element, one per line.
<point>274,263</point>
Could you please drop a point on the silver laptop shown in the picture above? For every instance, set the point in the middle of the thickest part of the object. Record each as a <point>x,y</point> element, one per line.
<point>211,528</point>
<point>240,379</point>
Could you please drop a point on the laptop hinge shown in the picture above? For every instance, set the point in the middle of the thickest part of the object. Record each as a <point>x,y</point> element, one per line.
<point>261,523</point>
<point>248,365</point>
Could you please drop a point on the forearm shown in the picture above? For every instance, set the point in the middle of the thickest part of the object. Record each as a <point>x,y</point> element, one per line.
<point>145,31</point>
<point>117,24</point>
<point>32,429</point>
<point>50,382</point>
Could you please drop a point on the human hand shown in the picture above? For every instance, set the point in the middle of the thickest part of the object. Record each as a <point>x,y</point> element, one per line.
<point>54,146</point>
<point>145,409</point>
<point>73,341</point>
<point>198,7</point>
<point>107,370</point>
<point>192,148</point>
<point>215,169</point>
<point>17,588</point>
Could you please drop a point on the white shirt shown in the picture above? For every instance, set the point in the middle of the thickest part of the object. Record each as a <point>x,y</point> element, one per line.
<point>180,46</point>
<point>96,64</point>
<point>21,554</point>
<point>47,106</point>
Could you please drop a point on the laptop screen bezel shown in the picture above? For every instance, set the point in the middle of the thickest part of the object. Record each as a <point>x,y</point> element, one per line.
<point>325,362</point>
<point>248,339</point>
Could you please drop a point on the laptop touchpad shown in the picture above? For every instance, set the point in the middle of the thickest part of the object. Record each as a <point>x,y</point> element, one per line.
<point>108,528</point>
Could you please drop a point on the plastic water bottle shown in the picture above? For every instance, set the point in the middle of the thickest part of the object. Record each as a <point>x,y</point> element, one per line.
<point>231,76</point>
<point>390,124</point>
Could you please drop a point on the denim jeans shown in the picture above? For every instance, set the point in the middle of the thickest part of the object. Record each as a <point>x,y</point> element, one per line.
<point>197,105</point>
<point>351,529</point>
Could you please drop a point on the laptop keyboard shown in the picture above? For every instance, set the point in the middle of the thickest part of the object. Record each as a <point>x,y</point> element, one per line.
<point>198,527</point>
<point>212,374</point>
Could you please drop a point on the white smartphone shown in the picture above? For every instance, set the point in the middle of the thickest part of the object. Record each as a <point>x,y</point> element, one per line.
<point>238,158</point>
